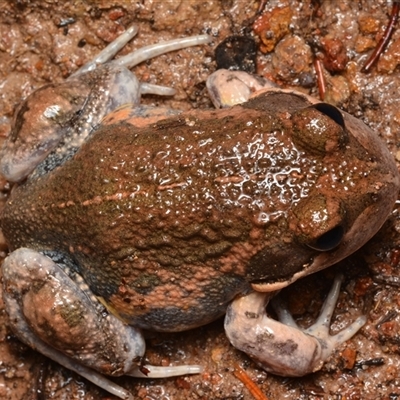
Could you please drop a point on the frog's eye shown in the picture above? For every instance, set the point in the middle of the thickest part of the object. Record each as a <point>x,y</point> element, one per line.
<point>319,129</point>
<point>319,221</point>
<point>328,240</point>
<point>331,112</point>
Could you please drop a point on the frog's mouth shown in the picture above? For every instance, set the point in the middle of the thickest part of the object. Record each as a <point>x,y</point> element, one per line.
<point>275,266</point>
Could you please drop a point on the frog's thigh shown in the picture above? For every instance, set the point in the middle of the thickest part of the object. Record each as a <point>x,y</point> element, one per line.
<point>49,310</point>
<point>285,350</point>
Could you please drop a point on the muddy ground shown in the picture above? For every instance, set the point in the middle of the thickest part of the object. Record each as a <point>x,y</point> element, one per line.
<point>45,41</point>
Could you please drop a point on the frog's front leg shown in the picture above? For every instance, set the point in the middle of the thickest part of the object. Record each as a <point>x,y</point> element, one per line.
<point>283,348</point>
<point>59,317</point>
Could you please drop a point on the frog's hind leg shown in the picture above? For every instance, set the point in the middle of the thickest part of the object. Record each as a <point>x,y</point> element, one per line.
<point>43,307</point>
<point>283,348</point>
<point>53,122</point>
<point>61,318</point>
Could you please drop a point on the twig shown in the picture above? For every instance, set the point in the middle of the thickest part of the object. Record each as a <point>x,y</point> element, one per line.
<point>254,390</point>
<point>385,38</point>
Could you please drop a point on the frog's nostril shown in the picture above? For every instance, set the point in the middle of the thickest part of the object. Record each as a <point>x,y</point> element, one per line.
<point>329,240</point>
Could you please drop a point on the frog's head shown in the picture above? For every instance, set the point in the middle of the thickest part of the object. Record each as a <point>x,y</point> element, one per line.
<point>353,196</point>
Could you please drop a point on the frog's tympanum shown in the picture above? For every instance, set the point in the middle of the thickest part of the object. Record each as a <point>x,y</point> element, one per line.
<point>115,227</point>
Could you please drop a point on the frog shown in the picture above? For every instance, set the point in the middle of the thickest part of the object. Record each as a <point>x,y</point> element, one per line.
<point>127,218</point>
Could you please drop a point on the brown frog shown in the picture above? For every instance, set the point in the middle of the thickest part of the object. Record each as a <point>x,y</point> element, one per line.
<point>114,228</point>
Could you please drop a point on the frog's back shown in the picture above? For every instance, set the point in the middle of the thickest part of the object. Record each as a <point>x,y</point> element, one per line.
<point>184,177</point>
<point>168,223</point>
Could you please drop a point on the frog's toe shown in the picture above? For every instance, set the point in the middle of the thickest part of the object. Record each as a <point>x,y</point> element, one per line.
<point>282,347</point>
<point>150,88</point>
<point>152,371</point>
<point>108,52</point>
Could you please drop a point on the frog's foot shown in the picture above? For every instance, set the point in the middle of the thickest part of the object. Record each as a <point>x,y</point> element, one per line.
<point>283,348</point>
<point>320,329</point>
<point>143,54</point>
<point>154,50</point>
<point>53,314</point>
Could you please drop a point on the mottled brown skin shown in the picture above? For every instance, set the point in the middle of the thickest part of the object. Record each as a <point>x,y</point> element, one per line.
<point>169,223</point>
